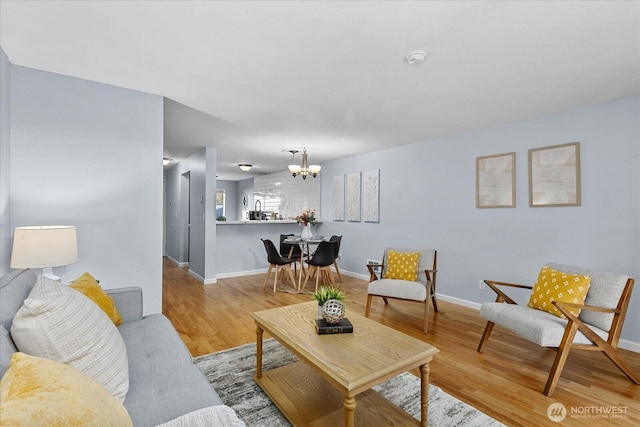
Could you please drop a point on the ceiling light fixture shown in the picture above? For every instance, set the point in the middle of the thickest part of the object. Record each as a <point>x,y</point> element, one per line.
<point>304,169</point>
<point>166,161</point>
<point>245,167</point>
<point>415,57</point>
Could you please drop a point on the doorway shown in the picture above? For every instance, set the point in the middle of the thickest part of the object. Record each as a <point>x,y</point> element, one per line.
<point>185,207</point>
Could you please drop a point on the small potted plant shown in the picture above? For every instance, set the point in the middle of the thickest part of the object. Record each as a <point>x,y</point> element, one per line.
<point>326,293</point>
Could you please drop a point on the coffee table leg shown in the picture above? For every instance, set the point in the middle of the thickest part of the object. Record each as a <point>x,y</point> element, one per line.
<point>349,406</point>
<point>424,394</point>
<point>258,352</point>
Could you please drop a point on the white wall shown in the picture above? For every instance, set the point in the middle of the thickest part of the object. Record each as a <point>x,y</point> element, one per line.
<point>427,199</point>
<point>90,155</point>
<point>202,208</point>
<point>5,164</point>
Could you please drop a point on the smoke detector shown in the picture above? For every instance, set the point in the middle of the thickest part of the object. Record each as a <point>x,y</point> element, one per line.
<point>415,57</point>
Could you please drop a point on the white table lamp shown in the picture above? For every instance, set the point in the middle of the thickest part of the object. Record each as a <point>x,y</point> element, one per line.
<point>44,247</point>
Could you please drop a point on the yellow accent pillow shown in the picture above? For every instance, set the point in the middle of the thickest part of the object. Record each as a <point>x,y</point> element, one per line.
<point>90,288</point>
<point>402,265</point>
<point>553,285</point>
<point>37,391</point>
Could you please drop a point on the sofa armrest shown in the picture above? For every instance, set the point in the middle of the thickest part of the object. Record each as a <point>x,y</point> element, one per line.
<point>128,302</point>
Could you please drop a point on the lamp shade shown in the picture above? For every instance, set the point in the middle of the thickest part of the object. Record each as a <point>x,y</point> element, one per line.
<point>42,247</point>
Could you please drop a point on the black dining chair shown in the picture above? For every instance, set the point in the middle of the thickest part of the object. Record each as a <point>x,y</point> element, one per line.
<point>291,251</point>
<point>338,240</point>
<point>320,263</point>
<point>277,261</point>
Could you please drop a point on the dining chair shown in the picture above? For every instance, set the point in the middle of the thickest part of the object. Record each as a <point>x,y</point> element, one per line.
<point>338,240</point>
<point>277,261</point>
<point>291,251</point>
<point>320,263</point>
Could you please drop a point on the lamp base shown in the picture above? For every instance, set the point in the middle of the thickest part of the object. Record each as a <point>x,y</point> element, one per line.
<point>48,273</point>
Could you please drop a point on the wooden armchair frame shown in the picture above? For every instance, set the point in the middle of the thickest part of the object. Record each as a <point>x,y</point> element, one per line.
<point>430,285</point>
<point>575,324</point>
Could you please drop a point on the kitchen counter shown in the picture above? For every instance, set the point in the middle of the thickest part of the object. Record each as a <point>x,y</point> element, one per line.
<point>258,222</point>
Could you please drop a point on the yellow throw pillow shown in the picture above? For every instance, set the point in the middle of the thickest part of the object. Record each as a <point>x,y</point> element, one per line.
<point>553,285</point>
<point>402,265</point>
<point>90,288</point>
<point>36,391</point>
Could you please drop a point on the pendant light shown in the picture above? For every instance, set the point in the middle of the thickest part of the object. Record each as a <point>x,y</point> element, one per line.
<point>304,169</point>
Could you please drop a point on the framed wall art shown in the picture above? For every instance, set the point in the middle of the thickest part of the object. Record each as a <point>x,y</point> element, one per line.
<point>338,198</point>
<point>353,197</point>
<point>371,195</point>
<point>554,175</point>
<point>496,181</point>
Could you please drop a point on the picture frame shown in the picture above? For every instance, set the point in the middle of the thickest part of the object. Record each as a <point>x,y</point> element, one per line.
<point>496,181</point>
<point>371,195</point>
<point>353,197</point>
<point>338,198</point>
<point>554,175</point>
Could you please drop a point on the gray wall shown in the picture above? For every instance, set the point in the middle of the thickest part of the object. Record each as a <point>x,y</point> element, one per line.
<point>427,199</point>
<point>233,202</point>
<point>201,167</point>
<point>5,164</point>
<point>90,155</point>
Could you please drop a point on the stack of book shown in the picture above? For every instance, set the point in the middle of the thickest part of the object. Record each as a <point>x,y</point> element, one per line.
<point>342,327</point>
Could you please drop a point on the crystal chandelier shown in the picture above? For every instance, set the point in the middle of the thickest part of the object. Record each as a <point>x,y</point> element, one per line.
<point>304,169</point>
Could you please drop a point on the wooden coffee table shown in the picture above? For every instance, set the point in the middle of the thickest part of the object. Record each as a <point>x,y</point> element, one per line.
<point>320,389</point>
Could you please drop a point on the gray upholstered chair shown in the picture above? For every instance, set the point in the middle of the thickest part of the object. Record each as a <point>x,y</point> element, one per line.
<point>422,290</point>
<point>597,327</point>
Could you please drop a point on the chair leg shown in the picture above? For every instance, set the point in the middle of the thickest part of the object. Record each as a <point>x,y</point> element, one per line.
<point>368,308</point>
<point>433,297</point>
<point>561,358</point>
<point>291,276</point>
<point>613,355</point>
<point>275,279</point>
<point>425,325</point>
<point>335,264</point>
<point>309,271</point>
<point>266,278</point>
<point>485,336</point>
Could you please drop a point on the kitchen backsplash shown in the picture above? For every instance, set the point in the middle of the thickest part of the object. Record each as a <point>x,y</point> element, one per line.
<point>288,196</point>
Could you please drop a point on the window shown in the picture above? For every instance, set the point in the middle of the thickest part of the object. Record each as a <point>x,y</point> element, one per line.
<point>220,201</point>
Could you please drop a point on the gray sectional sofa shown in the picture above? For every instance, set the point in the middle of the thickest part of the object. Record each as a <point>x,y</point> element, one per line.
<point>164,384</point>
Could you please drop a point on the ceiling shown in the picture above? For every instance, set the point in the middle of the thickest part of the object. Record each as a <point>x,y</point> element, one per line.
<point>258,78</point>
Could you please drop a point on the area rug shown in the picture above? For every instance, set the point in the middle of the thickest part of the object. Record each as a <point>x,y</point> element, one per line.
<point>230,373</point>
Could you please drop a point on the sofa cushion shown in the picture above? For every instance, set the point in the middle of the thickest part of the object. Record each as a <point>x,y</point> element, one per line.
<point>211,416</point>
<point>61,324</point>
<point>14,288</point>
<point>7,348</point>
<point>164,383</point>
<point>539,326</point>
<point>415,291</point>
<point>605,291</point>
<point>38,391</point>
<point>89,287</point>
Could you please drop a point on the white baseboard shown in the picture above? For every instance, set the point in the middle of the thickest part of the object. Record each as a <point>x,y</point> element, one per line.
<point>176,262</point>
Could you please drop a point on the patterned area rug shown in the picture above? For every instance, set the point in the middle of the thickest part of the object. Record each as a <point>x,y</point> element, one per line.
<point>231,372</point>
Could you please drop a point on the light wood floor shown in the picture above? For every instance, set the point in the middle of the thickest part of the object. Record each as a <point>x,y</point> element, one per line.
<point>505,381</point>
